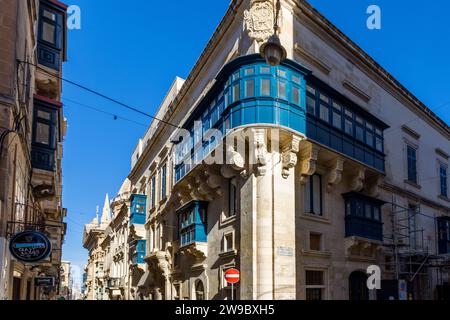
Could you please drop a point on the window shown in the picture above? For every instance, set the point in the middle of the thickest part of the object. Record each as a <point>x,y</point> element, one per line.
<point>363,216</point>
<point>281,89</point>
<point>249,88</point>
<point>153,191</point>
<point>232,199</point>
<point>265,70</point>
<point>443,180</point>
<point>313,195</point>
<point>265,87</point>
<point>315,285</point>
<point>315,241</point>
<point>44,136</point>
<point>192,223</point>
<point>249,71</point>
<point>45,121</point>
<point>337,116</point>
<point>444,235</point>
<point>228,243</point>
<point>281,73</point>
<point>310,105</point>
<point>324,112</point>
<point>199,291</point>
<point>50,27</point>
<point>359,128</point>
<point>164,182</point>
<point>411,163</point>
<point>236,92</point>
<point>295,95</point>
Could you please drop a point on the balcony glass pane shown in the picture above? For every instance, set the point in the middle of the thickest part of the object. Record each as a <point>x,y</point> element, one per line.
<point>48,32</point>
<point>265,87</point>
<point>43,133</point>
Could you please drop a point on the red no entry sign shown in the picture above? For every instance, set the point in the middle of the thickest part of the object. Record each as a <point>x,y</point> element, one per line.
<point>232,276</point>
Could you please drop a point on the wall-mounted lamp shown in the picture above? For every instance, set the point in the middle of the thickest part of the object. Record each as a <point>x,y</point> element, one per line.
<point>272,50</point>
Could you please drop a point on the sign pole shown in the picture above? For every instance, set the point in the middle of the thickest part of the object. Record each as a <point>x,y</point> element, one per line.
<point>232,292</point>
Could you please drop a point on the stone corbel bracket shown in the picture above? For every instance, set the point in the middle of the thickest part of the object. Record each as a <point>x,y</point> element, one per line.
<point>235,164</point>
<point>289,155</point>
<point>214,181</point>
<point>374,186</point>
<point>260,150</point>
<point>357,182</point>
<point>308,166</point>
<point>335,174</point>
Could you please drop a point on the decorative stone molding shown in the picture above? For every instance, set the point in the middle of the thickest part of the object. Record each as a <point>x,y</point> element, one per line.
<point>335,174</point>
<point>260,150</point>
<point>259,20</point>
<point>356,91</point>
<point>160,261</point>
<point>196,250</point>
<point>289,155</point>
<point>235,159</point>
<point>360,247</point>
<point>309,157</point>
<point>319,64</point>
<point>214,181</point>
<point>357,182</point>
<point>375,186</point>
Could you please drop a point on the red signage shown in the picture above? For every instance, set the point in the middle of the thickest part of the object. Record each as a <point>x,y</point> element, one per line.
<point>232,276</point>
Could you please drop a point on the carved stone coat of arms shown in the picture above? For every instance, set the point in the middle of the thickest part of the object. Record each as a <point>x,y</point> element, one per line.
<point>259,20</point>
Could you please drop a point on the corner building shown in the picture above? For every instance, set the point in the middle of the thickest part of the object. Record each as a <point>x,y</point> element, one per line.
<point>349,170</point>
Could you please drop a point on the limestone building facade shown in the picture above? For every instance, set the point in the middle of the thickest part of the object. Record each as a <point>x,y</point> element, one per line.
<point>329,166</point>
<point>32,129</point>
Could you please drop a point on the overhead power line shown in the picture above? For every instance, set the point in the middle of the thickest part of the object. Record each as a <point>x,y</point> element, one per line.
<point>102,95</point>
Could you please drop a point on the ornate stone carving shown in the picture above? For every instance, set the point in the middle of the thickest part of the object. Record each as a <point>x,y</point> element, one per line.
<point>374,188</point>
<point>260,150</point>
<point>197,250</point>
<point>335,174</point>
<point>357,183</point>
<point>289,155</point>
<point>309,157</point>
<point>259,20</point>
<point>235,159</point>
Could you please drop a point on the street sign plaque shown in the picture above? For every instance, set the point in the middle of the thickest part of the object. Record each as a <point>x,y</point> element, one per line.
<point>30,246</point>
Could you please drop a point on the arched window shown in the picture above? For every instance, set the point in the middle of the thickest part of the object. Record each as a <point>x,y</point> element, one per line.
<point>199,290</point>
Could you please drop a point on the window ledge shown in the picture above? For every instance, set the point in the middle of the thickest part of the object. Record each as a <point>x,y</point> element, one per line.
<point>314,253</point>
<point>228,254</point>
<point>316,218</point>
<point>413,184</point>
<point>225,221</point>
<point>444,198</point>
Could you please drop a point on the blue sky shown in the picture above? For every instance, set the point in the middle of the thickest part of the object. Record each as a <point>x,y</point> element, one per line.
<point>133,53</point>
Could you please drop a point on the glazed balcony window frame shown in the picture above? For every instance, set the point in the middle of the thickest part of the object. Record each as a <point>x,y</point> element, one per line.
<point>138,209</point>
<point>192,223</point>
<point>51,18</point>
<point>45,115</point>
<point>363,216</point>
<point>248,92</point>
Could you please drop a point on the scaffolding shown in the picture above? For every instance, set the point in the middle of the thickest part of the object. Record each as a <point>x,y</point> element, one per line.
<point>411,252</point>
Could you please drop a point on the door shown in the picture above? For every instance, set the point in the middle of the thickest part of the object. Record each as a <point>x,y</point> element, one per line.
<point>16,288</point>
<point>358,286</point>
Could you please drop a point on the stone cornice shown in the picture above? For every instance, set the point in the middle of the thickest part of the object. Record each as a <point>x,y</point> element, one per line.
<point>368,65</point>
<point>393,188</point>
